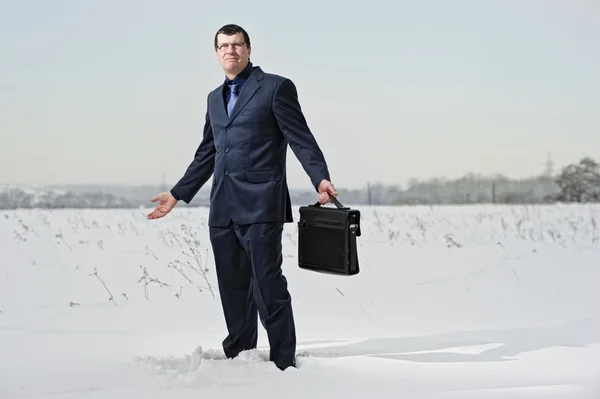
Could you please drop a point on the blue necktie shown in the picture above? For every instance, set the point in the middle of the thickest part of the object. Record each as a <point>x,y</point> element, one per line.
<point>233,88</point>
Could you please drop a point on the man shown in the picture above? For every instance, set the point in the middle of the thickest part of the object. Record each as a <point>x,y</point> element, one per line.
<point>250,120</point>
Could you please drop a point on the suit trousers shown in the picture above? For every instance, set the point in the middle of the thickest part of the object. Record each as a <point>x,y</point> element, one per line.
<point>248,261</point>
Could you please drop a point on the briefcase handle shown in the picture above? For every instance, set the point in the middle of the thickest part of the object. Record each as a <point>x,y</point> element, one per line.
<point>337,203</point>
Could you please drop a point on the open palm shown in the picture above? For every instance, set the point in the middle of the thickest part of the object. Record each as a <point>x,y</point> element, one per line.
<point>166,202</point>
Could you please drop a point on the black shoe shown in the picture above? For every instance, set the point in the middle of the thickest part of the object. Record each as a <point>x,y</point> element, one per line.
<point>284,366</point>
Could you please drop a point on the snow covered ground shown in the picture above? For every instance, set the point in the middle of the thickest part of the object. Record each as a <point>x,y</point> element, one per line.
<point>452,302</point>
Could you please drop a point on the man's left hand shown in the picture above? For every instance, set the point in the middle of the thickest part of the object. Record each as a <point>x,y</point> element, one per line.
<point>326,188</point>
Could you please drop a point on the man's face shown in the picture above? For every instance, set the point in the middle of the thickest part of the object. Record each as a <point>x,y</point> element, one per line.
<point>232,53</point>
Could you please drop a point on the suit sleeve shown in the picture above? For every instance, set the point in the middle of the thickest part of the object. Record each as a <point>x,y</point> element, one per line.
<point>200,169</point>
<point>292,124</point>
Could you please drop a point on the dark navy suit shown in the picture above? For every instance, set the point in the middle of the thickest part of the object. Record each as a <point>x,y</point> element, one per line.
<point>245,152</point>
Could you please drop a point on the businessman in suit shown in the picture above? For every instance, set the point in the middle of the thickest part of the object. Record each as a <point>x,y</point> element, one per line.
<point>250,120</point>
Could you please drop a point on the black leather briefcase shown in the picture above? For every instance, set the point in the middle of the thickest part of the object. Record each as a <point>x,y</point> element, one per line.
<point>327,238</point>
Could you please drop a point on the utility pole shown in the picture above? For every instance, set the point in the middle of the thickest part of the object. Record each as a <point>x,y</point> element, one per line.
<point>549,166</point>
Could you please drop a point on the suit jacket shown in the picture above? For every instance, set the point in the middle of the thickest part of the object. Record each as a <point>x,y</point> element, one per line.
<point>246,153</point>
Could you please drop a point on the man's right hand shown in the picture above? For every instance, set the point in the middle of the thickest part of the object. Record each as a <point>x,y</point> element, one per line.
<point>166,202</point>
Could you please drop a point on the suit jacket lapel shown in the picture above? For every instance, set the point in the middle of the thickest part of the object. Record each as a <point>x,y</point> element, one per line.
<point>250,88</point>
<point>221,105</point>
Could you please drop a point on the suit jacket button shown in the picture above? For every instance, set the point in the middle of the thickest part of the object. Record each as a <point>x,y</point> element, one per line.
<point>226,173</point>
<point>227,149</point>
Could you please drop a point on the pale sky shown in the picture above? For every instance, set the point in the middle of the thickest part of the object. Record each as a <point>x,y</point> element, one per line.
<point>114,91</point>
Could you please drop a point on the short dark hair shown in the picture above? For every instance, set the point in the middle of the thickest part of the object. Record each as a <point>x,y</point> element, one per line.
<point>231,29</point>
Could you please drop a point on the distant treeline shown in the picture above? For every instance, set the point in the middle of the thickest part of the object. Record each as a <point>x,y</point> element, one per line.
<point>575,183</point>
<point>16,198</point>
<point>470,189</point>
